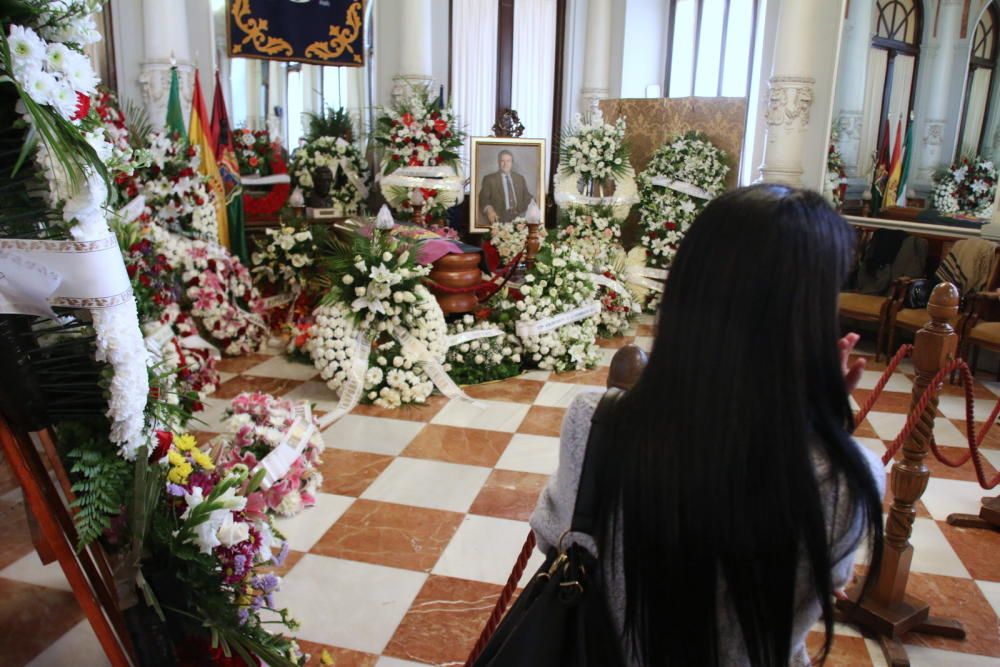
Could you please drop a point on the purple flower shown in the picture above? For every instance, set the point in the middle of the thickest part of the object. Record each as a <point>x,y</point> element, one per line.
<point>239,564</point>
<point>280,558</point>
<point>243,614</point>
<point>175,489</point>
<point>267,583</point>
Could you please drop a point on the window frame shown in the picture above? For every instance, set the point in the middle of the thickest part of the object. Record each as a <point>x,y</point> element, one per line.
<point>897,47</point>
<point>720,75</point>
<point>975,63</point>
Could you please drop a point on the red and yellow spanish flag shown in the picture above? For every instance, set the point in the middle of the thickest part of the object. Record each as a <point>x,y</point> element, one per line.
<point>198,136</point>
<point>895,167</point>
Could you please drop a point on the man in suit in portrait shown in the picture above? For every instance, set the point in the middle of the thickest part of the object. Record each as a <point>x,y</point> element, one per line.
<point>504,194</point>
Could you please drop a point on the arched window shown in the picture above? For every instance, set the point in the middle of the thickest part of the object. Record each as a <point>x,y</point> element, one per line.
<point>982,61</point>
<point>895,51</point>
<point>711,48</point>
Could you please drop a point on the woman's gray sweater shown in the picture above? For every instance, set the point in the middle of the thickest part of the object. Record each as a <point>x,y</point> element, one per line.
<point>554,512</point>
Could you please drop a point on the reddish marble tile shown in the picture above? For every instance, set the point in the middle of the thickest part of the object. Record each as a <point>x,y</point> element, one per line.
<point>978,390</point>
<point>388,534</point>
<point>846,651</point>
<point>444,621</point>
<point>349,473</point>
<point>474,447</point>
<point>889,401</point>
<point>961,599</point>
<point>335,656</point>
<point>992,439</point>
<point>978,549</point>
<point>236,386</point>
<point>615,343</point>
<point>413,413</point>
<point>648,330</point>
<point>240,364</point>
<point>511,390</point>
<point>508,494</point>
<point>596,376</point>
<point>31,618</point>
<point>542,421</point>
<point>16,541</point>
<point>865,430</point>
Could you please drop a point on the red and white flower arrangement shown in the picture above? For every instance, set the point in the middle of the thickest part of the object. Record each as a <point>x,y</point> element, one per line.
<point>420,139</point>
<point>255,151</point>
<point>345,163</point>
<point>967,188</point>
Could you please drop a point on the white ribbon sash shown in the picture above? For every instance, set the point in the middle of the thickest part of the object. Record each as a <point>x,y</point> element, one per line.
<point>615,287</point>
<point>534,328</point>
<point>680,186</point>
<point>432,366</point>
<point>350,395</point>
<point>470,336</point>
<point>133,209</point>
<point>36,275</point>
<point>280,459</point>
<point>273,179</point>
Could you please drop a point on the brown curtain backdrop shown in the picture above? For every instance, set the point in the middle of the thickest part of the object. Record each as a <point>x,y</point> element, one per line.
<point>651,122</point>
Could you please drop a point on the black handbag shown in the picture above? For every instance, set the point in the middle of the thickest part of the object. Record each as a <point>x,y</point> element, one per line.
<point>918,293</point>
<point>562,616</point>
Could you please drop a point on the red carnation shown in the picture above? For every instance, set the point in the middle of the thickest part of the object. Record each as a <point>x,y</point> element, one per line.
<point>254,161</point>
<point>440,125</point>
<point>407,119</point>
<point>82,106</point>
<point>163,440</point>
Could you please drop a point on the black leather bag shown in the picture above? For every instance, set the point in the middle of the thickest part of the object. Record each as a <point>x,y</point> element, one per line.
<point>562,617</point>
<point>918,293</point>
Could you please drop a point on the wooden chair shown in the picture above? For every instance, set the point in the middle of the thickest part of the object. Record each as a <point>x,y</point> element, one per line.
<point>914,319</point>
<point>866,307</point>
<point>980,327</point>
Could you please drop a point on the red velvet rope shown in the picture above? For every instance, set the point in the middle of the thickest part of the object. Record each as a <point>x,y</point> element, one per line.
<point>505,596</point>
<point>973,440</point>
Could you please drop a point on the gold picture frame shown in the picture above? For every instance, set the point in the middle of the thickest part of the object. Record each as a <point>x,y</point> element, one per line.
<point>526,179</point>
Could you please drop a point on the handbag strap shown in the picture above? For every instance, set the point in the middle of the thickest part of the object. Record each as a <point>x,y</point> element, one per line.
<point>585,509</point>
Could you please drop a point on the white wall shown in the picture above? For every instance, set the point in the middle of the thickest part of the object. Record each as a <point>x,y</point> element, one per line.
<point>643,61</point>
<point>388,32</point>
<point>129,49</point>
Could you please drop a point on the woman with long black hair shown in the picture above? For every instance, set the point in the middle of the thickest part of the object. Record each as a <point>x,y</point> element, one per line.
<point>734,498</point>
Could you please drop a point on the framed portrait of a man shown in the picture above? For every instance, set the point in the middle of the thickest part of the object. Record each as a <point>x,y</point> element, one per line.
<point>506,175</point>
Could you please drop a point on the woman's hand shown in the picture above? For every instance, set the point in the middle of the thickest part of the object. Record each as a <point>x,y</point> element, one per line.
<point>852,370</point>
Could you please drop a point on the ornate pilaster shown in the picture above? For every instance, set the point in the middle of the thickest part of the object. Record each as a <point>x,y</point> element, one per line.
<point>935,154</point>
<point>848,127</point>
<point>789,104</point>
<point>154,84</point>
<point>597,59</point>
<point>165,39</point>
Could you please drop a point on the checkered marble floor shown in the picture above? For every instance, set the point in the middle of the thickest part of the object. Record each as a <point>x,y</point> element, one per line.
<point>423,511</point>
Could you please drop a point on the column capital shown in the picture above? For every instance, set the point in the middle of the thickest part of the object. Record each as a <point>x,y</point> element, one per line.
<point>789,102</point>
<point>154,85</point>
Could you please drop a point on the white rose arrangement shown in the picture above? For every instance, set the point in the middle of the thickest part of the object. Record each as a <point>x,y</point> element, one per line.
<point>594,151</point>
<point>481,359</point>
<point>376,293</point>
<point>508,238</point>
<point>283,256</point>
<point>690,163</point>
<point>345,163</point>
<point>559,281</point>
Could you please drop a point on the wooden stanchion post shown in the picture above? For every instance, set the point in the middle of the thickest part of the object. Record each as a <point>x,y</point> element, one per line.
<point>884,607</point>
<point>532,245</point>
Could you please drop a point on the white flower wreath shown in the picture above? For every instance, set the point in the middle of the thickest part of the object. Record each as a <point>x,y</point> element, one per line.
<point>508,238</point>
<point>558,282</point>
<point>394,377</point>
<point>680,179</point>
<point>345,163</point>
<point>966,188</point>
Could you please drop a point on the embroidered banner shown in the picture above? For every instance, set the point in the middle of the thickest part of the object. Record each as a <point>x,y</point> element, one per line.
<point>321,32</point>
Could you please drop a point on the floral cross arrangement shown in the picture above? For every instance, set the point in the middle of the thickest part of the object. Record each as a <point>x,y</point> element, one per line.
<point>967,188</point>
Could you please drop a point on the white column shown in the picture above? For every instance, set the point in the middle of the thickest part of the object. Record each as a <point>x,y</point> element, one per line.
<point>276,97</point>
<point>851,83</point>
<point>255,121</point>
<point>165,36</point>
<point>416,63</point>
<point>597,61</point>
<point>934,156</point>
<point>790,94</point>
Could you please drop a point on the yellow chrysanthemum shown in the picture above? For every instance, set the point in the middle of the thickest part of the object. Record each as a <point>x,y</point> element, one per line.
<point>175,458</point>
<point>202,459</point>
<point>185,442</point>
<point>179,474</point>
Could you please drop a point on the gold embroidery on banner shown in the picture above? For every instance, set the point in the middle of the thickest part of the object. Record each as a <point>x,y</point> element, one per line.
<point>341,39</point>
<point>255,30</point>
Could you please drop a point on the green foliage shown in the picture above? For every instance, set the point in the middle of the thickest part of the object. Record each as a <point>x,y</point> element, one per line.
<point>332,123</point>
<point>101,481</point>
<point>138,123</point>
